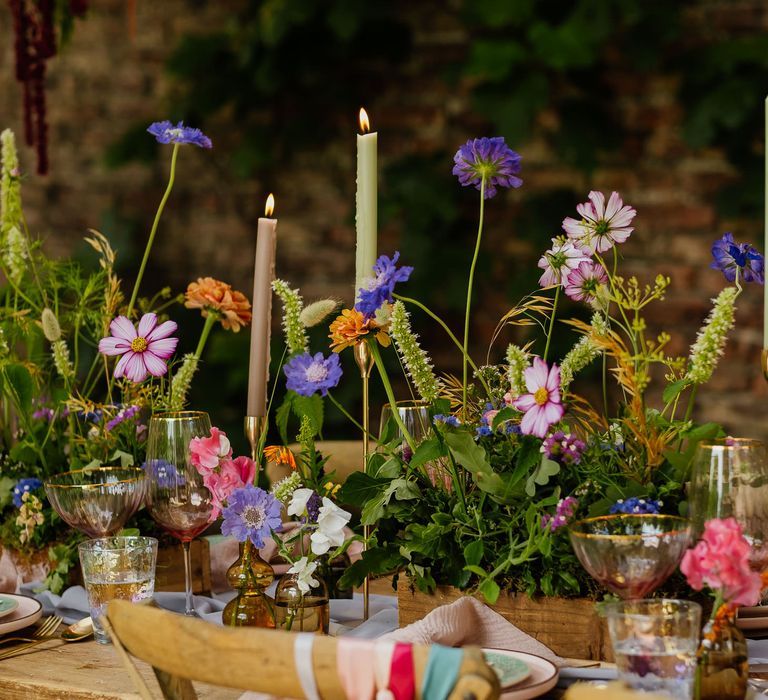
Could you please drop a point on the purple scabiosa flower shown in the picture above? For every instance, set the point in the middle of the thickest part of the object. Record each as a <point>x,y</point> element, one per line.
<point>564,511</point>
<point>309,374</point>
<point>584,282</point>
<point>144,349</point>
<point>122,416</point>
<point>24,486</point>
<point>542,406</point>
<point>163,473</point>
<point>452,421</point>
<point>166,132</point>
<point>601,225</point>
<point>731,257</point>
<point>558,262</point>
<point>636,506</point>
<point>251,513</point>
<point>565,449</point>
<point>490,159</point>
<point>379,289</point>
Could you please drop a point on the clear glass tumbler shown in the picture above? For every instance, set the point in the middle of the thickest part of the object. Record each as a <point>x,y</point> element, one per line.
<point>121,568</point>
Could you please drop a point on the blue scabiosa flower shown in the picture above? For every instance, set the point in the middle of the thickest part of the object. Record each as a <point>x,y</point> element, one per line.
<point>309,374</point>
<point>488,158</point>
<point>379,288</point>
<point>636,506</point>
<point>731,257</point>
<point>166,132</point>
<point>251,514</point>
<point>24,486</point>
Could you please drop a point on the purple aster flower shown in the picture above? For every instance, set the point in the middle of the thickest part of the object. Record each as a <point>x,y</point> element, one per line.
<point>307,374</point>
<point>24,486</point>
<point>601,225</point>
<point>252,514</point>
<point>731,257</point>
<point>584,282</point>
<point>563,449</point>
<point>379,288</point>
<point>453,421</point>
<point>166,132</point>
<point>636,506</point>
<point>564,511</point>
<point>490,159</point>
<point>558,262</point>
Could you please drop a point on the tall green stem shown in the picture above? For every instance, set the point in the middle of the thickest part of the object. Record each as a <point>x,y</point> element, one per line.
<point>552,321</point>
<point>171,178</point>
<point>210,319</point>
<point>390,394</point>
<point>469,299</point>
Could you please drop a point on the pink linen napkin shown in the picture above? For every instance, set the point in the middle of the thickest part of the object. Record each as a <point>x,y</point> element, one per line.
<point>468,622</point>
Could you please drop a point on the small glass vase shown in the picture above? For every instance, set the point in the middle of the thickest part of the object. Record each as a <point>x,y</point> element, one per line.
<point>301,612</point>
<point>722,667</point>
<point>250,576</point>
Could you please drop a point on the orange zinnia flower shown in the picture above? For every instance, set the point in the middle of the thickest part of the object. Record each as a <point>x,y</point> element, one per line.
<point>211,295</point>
<point>350,327</point>
<point>280,455</point>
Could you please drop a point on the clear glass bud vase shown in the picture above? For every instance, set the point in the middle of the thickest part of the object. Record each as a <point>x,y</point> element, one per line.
<point>250,576</point>
<point>296,611</point>
<point>722,667</point>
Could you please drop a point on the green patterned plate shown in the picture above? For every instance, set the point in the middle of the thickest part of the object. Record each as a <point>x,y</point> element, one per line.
<point>508,668</point>
<point>7,605</point>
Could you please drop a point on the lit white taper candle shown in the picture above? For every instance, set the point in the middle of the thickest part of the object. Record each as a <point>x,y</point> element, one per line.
<point>366,215</point>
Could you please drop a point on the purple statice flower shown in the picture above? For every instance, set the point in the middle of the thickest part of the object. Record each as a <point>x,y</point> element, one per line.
<point>453,421</point>
<point>602,225</point>
<point>731,257</point>
<point>252,513</point>
<point>565,449</point>
<point>309,374</point>
<point>564,511</point>
<point>166,132</point>
<point>559,261</point>
<point>43,413</point>
<point>488,159</point>
<point>24,486</point>
<point>379,289</point>
<point>313,508</point>
<point>584,282</point>
<point>636,506</point>
<point>121,416</point>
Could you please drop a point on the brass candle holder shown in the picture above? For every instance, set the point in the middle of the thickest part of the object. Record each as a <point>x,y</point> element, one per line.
<point>255,428</point>
<point>364,360</point>
<point>764,363</point>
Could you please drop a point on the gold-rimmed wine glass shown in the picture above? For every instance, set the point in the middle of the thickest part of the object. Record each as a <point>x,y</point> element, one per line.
<point>177,499</point>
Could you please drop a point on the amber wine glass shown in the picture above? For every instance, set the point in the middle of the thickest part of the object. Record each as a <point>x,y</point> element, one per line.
<point>177,498</point>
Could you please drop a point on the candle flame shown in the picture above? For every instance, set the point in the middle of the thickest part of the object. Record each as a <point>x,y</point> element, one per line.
<point>270,206</point>
<point>365,125</point>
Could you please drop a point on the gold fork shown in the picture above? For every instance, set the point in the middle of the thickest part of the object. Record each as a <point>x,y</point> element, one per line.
<point>49,628</point>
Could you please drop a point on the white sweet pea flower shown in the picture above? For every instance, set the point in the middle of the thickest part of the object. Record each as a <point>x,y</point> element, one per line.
<point>330,527</point>
<point>304,569</point>
<point>298,506</point>
<point>224,446</point>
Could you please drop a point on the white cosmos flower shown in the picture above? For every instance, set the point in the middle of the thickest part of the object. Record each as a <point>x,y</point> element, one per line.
<point>304,569</point>
<point>330,527</point>
<point>298,506</point>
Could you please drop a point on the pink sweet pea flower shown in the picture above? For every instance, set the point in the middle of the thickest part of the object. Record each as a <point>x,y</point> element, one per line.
<point>720,560</point>
<point>242,468</point>
<point>234,474</point>
<point>542,405</point>
<point>206,452</point>
<point>143,349</point>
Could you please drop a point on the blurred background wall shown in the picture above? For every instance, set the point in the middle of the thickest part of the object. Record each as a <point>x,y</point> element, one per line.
<point>660,101</point>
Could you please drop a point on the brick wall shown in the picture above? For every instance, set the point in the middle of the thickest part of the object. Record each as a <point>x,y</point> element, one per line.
<point>104,82</point>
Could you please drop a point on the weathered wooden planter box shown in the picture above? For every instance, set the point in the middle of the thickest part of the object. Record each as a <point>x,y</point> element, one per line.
<point>570,627</point>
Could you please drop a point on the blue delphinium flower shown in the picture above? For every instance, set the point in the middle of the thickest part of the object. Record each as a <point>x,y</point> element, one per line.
<point>166,132</point>
<point>731,257</point>
<point>453,421</point>
<point>488,158</point>
<point>636,506</point>
<point>309,374</point>
<point>252,514</point>
<point>24,486</point>
<point>379,288</point>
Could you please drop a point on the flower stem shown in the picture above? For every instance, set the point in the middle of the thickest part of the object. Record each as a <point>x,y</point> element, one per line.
<point>391,395</point>
<point>346,413</point>
<point>469,299</point>
<point>209,321</point>
<point>552,321</point>
<point>158,214</point>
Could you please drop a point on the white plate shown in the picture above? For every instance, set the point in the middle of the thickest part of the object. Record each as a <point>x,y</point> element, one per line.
<point>7,605</point>
<point>26,613</point>
<point>543,676</point>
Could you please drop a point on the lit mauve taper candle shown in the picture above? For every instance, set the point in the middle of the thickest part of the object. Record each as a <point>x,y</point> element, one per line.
<point>366,214</point>
<point>263,274</point>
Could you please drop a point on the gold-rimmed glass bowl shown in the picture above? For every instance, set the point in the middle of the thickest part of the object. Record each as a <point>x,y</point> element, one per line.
<point>97,501</point>
<point>631,555</point>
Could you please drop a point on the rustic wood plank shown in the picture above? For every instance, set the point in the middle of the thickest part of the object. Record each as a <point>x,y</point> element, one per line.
<point>169,572</point>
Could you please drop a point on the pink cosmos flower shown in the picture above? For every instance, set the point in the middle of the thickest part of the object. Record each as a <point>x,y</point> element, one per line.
<point>206,452</point>
<point>601,226</point>
<point>143,349</point>
<point>542,405</point>
<point>585,280</point>
<point>720,560</point>
<point>559,260</point>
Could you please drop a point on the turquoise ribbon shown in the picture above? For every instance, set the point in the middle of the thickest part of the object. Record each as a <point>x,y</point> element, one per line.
<point>441,673</point>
